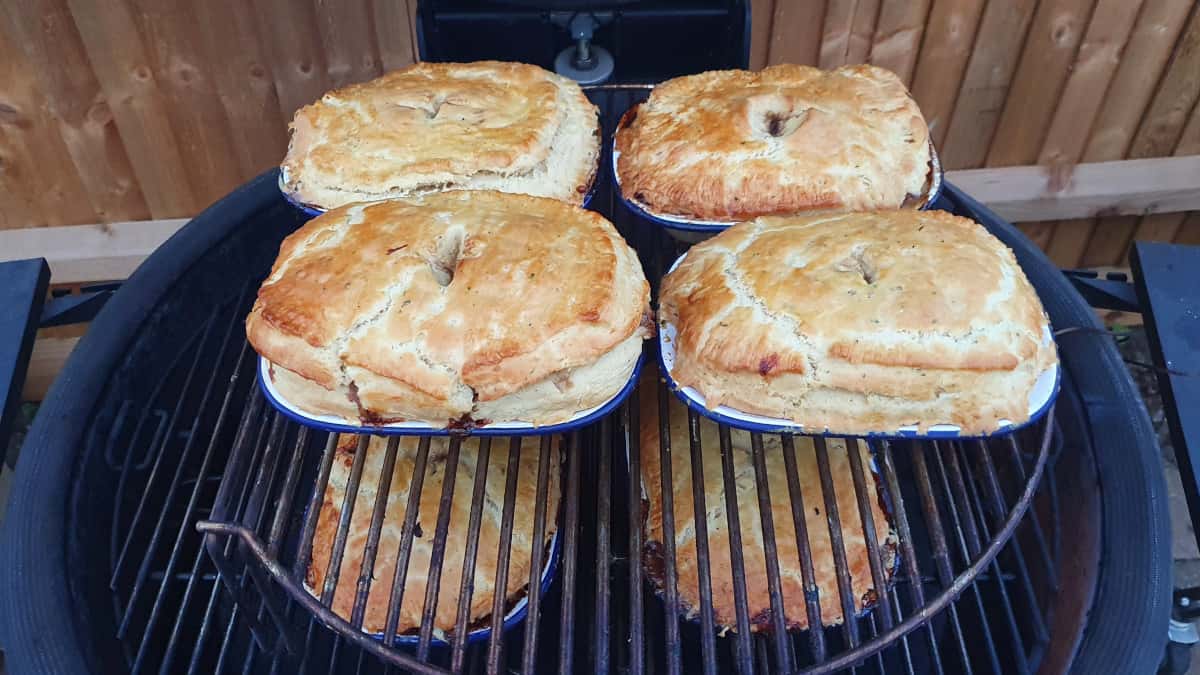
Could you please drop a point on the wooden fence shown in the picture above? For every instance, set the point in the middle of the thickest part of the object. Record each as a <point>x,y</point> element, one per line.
<point>128,110</point>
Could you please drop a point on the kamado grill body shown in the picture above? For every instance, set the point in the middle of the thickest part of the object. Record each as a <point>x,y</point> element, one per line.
<point>155,425</point>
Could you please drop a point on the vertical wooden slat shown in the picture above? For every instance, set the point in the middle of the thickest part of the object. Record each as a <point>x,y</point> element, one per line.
<point>38,182</point>
<point>184,76</point>
<point>985,86</point>
<point>393,34</point>
<point>1158,135</point>
<point>289,31</point>
<point>862,31</point>
<point>1164,226</point>
<point>835,33</point>
<point>349,41</point>
<point>1121,106</point>
<point>1053,40</point>
<point>123,68</point>
<point>949,35</point>
<point>244,84</point>
<point>45,31</point>
<point>796,32</point>
<point>897,38</point>
<point>1189,232</point>
<point>761,33</point>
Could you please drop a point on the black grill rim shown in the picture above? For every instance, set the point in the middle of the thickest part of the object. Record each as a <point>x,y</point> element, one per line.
<point>39,622</point>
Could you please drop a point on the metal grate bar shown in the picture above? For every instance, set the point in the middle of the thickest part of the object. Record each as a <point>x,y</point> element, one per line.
<point>908,552</point>
<point>670,582</point>
<point>333,568</point>
<point>629,424</point>
<point>189,510</point>
<point>370,552</point>
<point>745,659</point>
<point>600,627</point>
<point>878,574</point>
<point>812,593</point>
<point>708,645</point>
<point>406,537</point>
<point>834,523</point>
<point>991,485</point>
<point>534,594</point>
<point>937,534</point>
<point>304,558</point>
<point>222,416</point>
<point>783,654</point>
<point>506,528</point>
<point>159,443</point>
<point>433,581</point>
<point>955,507</point>
<point>1048,567</point>
<point>288,493</point>
<point>570,550</point>
<point>467,586</point>
<point>1006,603</point>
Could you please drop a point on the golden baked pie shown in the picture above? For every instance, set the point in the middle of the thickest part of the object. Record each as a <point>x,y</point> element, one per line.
<point>510,127</point>
<point>731,145</point>
<point>522,547</point>
<point>753,554</point>
<point>466,305</point>
<point>859,323</point>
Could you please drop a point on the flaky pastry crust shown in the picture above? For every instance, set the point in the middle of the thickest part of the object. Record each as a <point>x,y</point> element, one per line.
<point>511,127</point>
<point>859,323</point>
<point>752,548</point>
<point>391,530</point>
<point>461,305</point>
<point>732,145</point>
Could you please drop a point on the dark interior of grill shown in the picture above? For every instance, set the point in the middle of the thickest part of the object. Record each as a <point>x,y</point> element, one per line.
<point>1003,544</point>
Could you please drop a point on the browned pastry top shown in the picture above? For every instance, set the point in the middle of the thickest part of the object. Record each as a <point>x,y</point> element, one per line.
<point>733,144</point>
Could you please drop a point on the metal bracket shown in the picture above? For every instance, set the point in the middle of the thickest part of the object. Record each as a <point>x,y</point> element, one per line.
<point>23,285</point>
<point>1112,291</point>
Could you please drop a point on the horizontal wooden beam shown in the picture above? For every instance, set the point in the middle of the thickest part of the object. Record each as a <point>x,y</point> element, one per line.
<point>1120,188</point>
<point>90,253</point>
<point>80,254</point>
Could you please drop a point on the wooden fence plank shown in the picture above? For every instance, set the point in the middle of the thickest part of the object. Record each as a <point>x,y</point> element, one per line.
<point>289,30</point>
<point>862,31</point>
<point>1130,90</point>
<point>796,32</point>
<point>1087,86</point>
<point>47,360</point>
<point>1080,102</point>
<point>1032,193</point>
<point>946,48</point>
<point>835,32</point>
<point>349,41</point>
<point>393,34</point>
<point>985,86</point>
<point>1142,63</point>
<point>1189,232</point>
<point>897,38</point>
<point>242,76</point>
<point>1165,227</point>
<point>40,183</point>
<point>46,32</point>
<point>1053,40</point>
<point>123,68</point>
<point>183,72</point>
<point>761,15</point>
<point>1158,134</point>
<point>89,253</point>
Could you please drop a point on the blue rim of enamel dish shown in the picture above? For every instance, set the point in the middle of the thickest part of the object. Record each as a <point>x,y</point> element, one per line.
<point>331,424</point>
<point>699,226</point>
<point>1046,391</point>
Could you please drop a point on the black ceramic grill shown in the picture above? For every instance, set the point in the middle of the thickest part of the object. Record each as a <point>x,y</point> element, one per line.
<point>1035,553</point>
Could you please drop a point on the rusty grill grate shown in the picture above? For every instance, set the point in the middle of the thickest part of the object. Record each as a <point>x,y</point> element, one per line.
<point>978,567</point>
